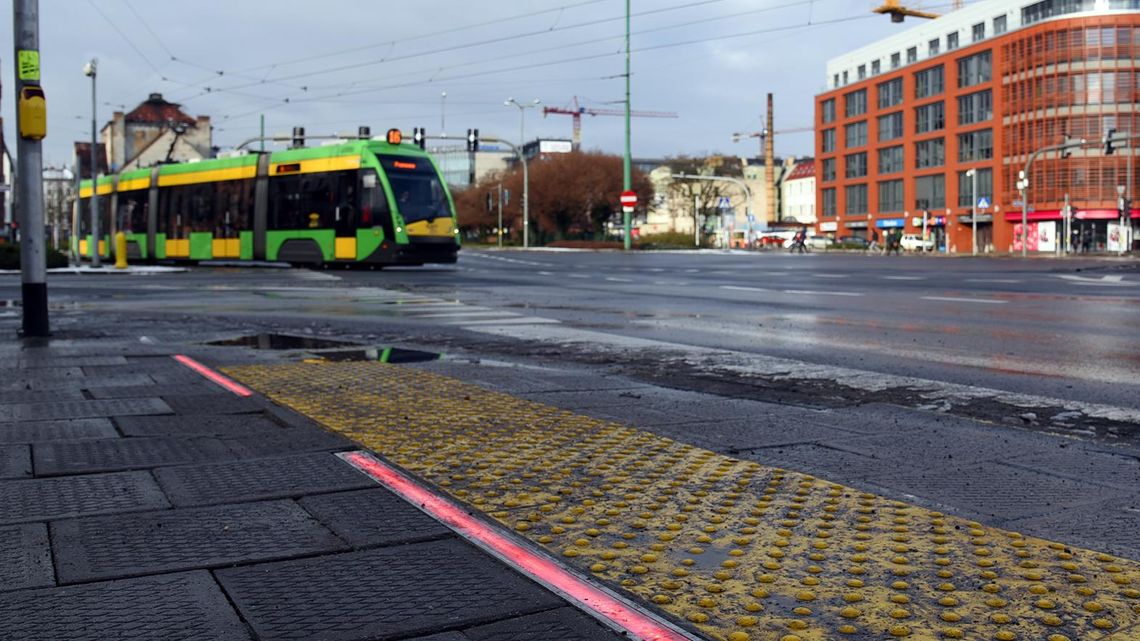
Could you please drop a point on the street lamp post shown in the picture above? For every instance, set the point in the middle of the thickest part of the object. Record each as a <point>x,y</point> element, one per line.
<point>89,70</point>
<point>442,114</point>
<point>973,174</point>
<point>511,102</point>
<point>1023,185</point>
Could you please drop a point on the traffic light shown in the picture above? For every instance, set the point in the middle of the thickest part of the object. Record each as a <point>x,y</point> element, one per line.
<point>419,136</point>
<point>472,140</point>
<point>298,136</point>
<point>1108,146</point>
<point>1126,208</point>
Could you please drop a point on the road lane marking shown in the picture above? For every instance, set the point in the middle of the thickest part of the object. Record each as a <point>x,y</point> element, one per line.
<point>1008,281</point>
<point>613,279</point>
<point>830,275</point>
<point>957,299</point>
<point>903,277</point>
<point>518,320</point>
<point>1107,280</point>
<point>741,288</point>
<point>467,314</point>
<point>813,292</point>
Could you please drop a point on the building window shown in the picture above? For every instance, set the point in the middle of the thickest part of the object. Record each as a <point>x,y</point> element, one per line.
<point>976,145</point>
<point>891,196</point>
<point>891,126</point>
<point>929,118</point>
<point>862,72</point>
<point>855,103</point>
<point>929,153</point>
<point>896,60</point>
<point>999,25</point>
<point>844,78</point>
<point>891,160</point>
<point>933,46</point>
<point>856,200</point>
<point>952,41</point>
<point>835,80</point>
<point>890,93</point>
<point>855,134</point>
<point>828,206</point>
<point>1039,11</point>
<point>930,192</point>
<point>975,107</point>
<point>828,169</point>
<point>875,68</point>
<point>974,69</point>
<point>912,55</point>
<point>966,187</point>
<point>979,32</point>
<point>928,82</point>
<point>828,141</point>
<point>856,165</point>
<point>827,110</point>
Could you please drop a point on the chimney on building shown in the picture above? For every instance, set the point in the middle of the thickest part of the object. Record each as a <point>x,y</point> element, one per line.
<point>770,164</point>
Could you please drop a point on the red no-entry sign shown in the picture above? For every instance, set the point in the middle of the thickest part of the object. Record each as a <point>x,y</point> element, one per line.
<point>629,199</point>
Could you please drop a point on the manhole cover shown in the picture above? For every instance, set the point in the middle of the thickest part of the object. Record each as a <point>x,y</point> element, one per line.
<point>280,341</point>
<point>382,354</point>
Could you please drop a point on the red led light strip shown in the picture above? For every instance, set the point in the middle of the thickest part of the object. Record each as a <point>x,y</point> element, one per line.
<point>227,383</point>
<point>601,604</point>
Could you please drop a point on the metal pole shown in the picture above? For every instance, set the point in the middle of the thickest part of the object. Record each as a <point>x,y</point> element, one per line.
<point>1128,200</point>
<point>627,180</point>
<point>262,148</point>
<point>442,113</point>
<point>29,178</point>
<point>526,201</point>
<point>974,210</point>
<point>696,223</point>
<point>96,258</point>
<point>1067,227</point>
<point>500,215</point>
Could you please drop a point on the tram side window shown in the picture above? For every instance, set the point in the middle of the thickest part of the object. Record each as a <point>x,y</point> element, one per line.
<point>374,209</point>
<point>233,207</point>
<point>133,207</point>
<point>313,201</point>
<point>186,208</point>
<point>104,215</point>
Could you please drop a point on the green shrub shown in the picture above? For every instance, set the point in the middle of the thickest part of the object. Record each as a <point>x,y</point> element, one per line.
<point>667,240</point>
<point>10,257</point>
<point>586,244</point>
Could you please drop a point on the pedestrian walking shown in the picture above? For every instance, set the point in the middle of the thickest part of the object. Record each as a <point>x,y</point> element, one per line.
<point>874,246</point>
<point>894,242</point>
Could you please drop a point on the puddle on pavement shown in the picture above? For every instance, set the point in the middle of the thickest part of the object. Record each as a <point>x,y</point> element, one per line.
<point>280,341</point>
<point>382,355</point>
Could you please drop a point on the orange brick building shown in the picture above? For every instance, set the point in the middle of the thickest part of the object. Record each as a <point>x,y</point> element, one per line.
<point>980,89</point>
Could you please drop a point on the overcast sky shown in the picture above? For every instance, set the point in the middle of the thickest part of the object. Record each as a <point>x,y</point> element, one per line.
<point>335,64</point>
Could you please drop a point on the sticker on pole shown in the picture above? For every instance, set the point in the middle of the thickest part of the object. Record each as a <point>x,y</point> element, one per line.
<point>28,64</point>
<point>983,203</point>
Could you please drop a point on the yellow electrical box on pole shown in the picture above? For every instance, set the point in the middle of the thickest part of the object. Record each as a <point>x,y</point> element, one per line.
<point>120,250</point>
<point>32,113</point>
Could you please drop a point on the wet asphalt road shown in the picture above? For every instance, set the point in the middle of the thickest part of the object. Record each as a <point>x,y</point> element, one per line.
<point>1064,329</point>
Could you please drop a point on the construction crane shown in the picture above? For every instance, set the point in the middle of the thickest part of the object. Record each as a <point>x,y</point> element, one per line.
<point>575,111</point>
<point>898,12</point>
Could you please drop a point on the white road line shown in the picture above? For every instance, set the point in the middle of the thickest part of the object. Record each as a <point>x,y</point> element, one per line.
<point>670,283</point>
<point>545,274</point>
<point>808,292</point>
<point>522,320</point>
<point>903,277</point>
<point>830,275</point>
<point>619,280</point>
<point>1008,281</point>
<point>741,288</point>
<point>463,314</point>
<point>955,299</point>
<point>578,275</point>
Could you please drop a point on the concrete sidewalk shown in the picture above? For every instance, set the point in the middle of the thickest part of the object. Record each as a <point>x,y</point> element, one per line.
<point>141,501</point>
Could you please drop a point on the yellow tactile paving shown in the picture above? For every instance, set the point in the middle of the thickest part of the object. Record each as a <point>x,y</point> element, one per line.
<point>740,550</point>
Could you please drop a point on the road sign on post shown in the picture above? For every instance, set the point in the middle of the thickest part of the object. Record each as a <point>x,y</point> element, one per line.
<point>628,202</point>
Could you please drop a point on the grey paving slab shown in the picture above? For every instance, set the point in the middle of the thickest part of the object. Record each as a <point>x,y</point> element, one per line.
<point>40,396</point>
<point>958,442</point>
<point>82,409</point>
<point>267,478</point>
<point>184,607</point>
<point>734,436</point>
<point>143,391</point>
<point>125,545</point>
<point>373,517</point>
<point>1103,468</point>
<point>29,361</point>
<point>57,458</point>
<point>1110,526</point>
<point>125,380</point>
<point>25,559</point>
<point>563,624</point>
<point>444,636</point>
<point>38,431</point>
<point>198,404</point>
<point>396,592</point>
<point>827,463</point>
<point>207,425</point>
<point>15,461</point>
<point>53,498</point>
<point>288,442</point>
<point>995,492</point>
<point>14,380</point>
<point>872,418</point>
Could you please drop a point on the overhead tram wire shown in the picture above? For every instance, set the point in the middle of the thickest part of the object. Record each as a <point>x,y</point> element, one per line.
<point>511,56</point>
<point>358,65</point>
<point>537,65</point>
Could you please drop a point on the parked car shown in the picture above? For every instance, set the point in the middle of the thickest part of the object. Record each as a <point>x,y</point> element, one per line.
<point>820,242</point>
<point>852,241</point>
<point>914,242</point>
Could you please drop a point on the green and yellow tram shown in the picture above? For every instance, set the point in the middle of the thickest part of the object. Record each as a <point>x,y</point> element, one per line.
<point>367,202</point>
